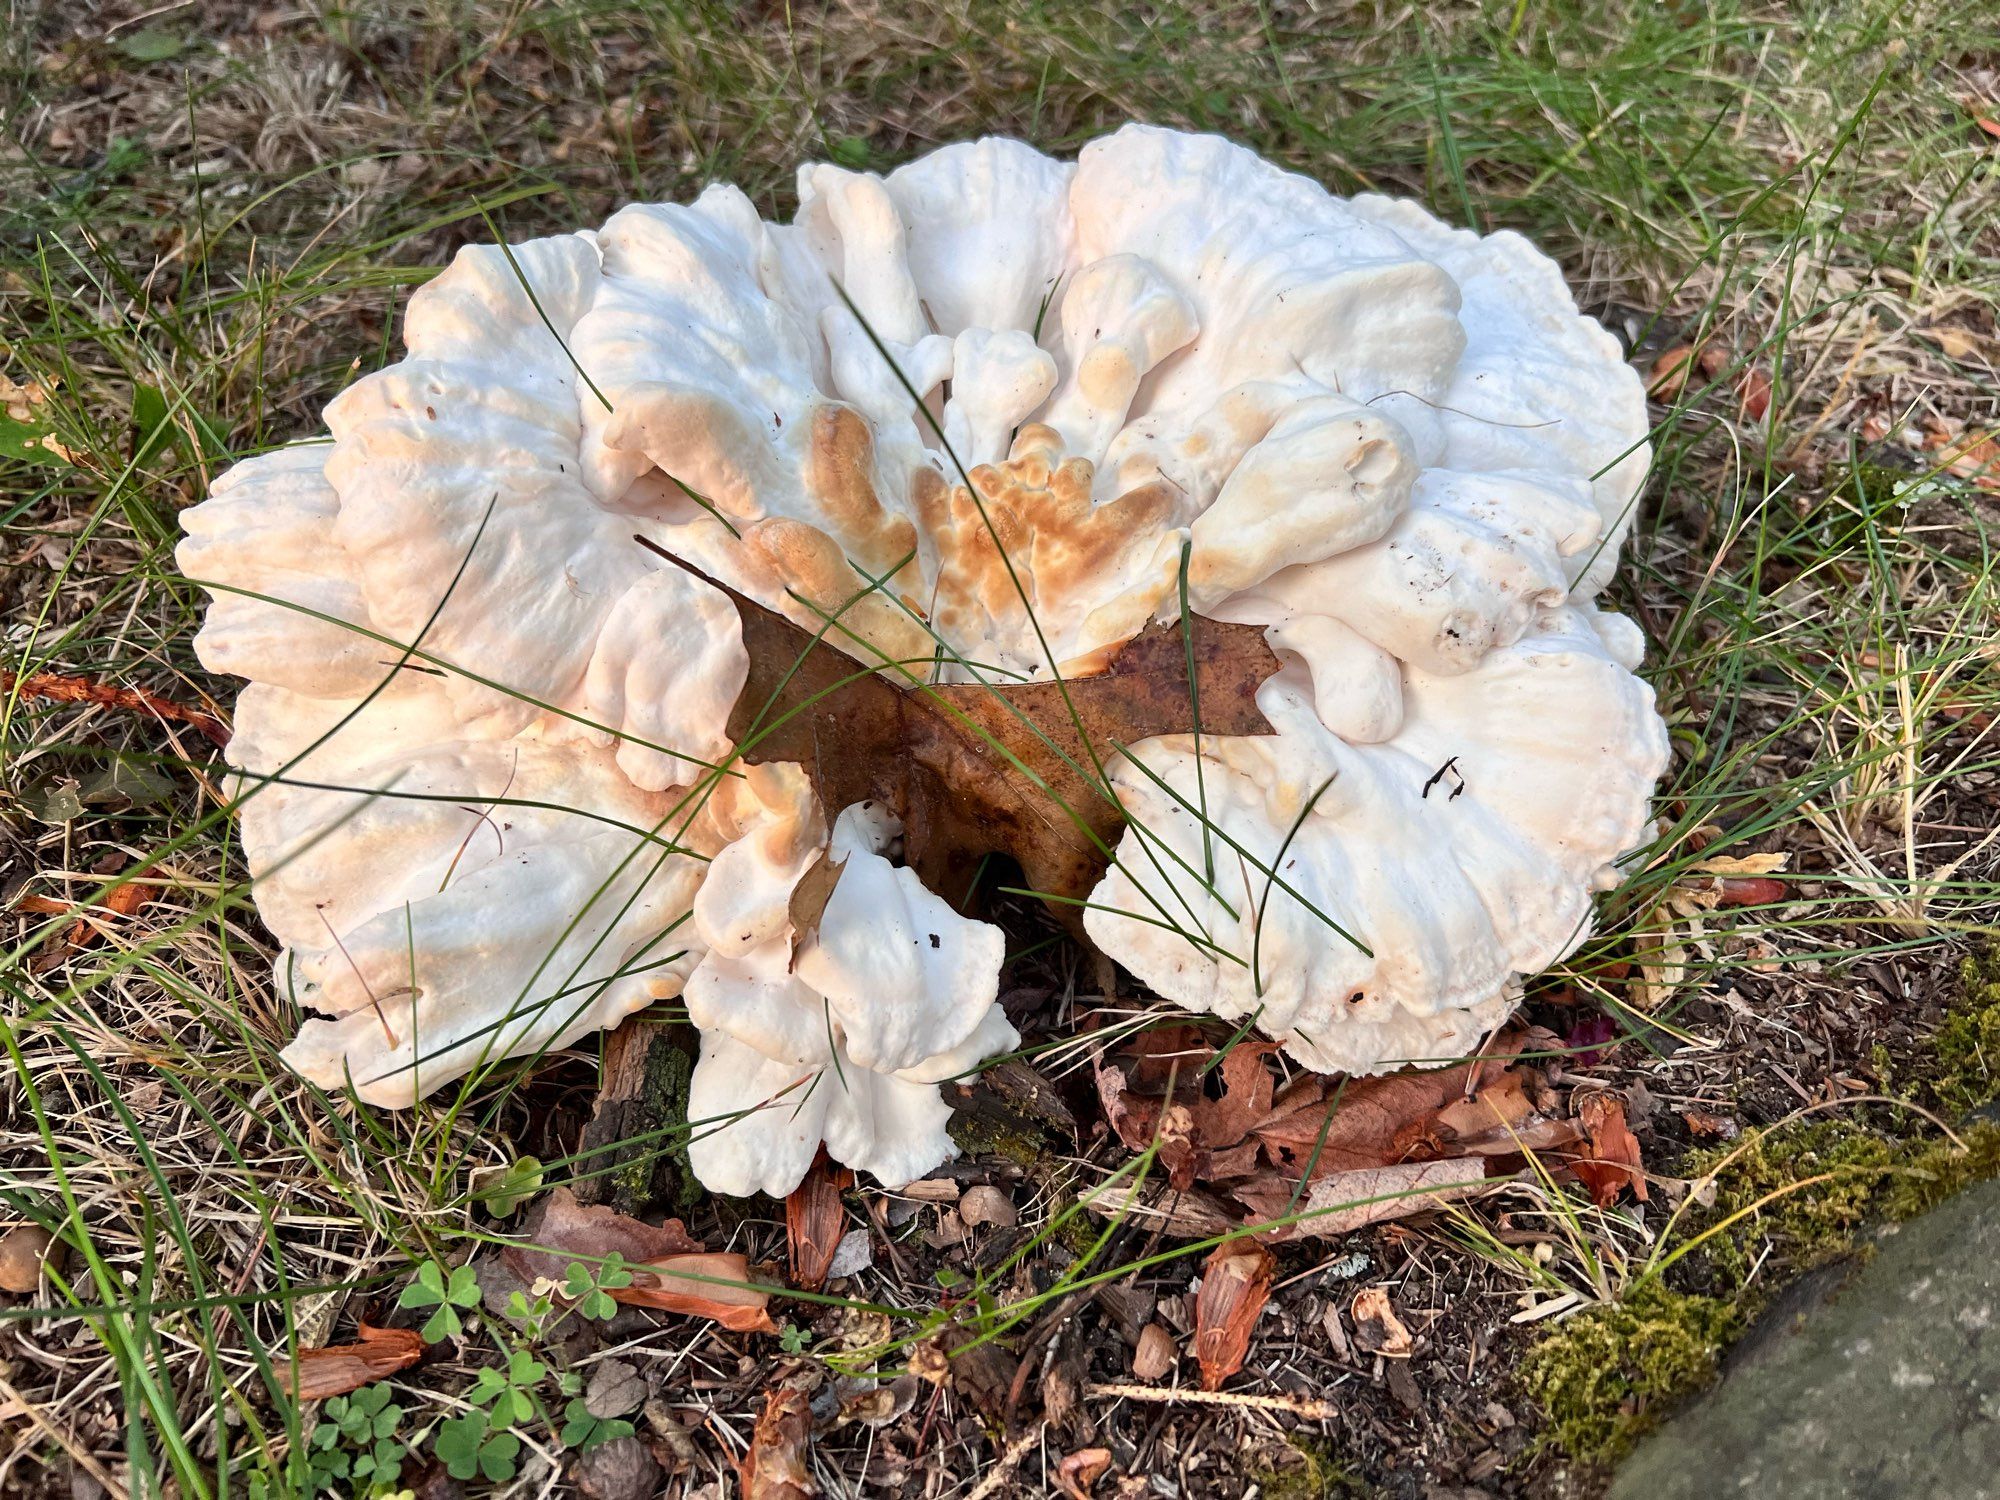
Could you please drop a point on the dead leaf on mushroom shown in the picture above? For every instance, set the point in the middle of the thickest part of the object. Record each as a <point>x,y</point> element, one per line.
<point>1235,1285</point>
<point>947,760</point>
<point>774,1467</point>
<point>340,1368</point>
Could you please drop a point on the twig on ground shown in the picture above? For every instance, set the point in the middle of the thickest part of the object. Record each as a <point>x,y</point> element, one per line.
<point>1300,1406</point>
<point>1004,1465</point>
<point>55,688</point>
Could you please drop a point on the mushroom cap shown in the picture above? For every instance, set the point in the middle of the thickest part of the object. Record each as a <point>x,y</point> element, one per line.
<point>985,417</point>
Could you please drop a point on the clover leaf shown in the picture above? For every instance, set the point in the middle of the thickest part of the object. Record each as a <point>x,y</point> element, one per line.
<point>431,1289</point>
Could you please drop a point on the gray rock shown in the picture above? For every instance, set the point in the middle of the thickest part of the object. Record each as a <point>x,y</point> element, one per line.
<point>1881,1387</point>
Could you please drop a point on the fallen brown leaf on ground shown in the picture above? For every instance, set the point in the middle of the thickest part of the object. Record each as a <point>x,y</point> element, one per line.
<point>1966,452</point>
<point>340,1368</point>
<point>1370,1149</point>
<point>24,1250</point>
<point>1669,374</point>
<point>814,1219</point>
<point>120,901</point>
<point>1333,1125</point>
<point>1155,1354</point>
<point>671,1271</point>
<point>1612,1164</point>
<point>1077,1473</point>
<point>1377,1329</point>
<point>1348,1201</point>
<point>559,1230</point>
<point>713,1286</point>
<point>775,1468</point>
<point>1235,1285</point>
<point>1704,1123</point>
<point>1753,393</point>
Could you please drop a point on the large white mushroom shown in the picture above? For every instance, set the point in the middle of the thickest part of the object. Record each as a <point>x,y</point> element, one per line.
<point>990,415</point>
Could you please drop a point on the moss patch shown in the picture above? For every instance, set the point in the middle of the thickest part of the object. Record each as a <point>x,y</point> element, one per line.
<point>1309,1471</point>
<point>1606,1375</point>
<point>1968,1044</point>
<point>1798,1193</point>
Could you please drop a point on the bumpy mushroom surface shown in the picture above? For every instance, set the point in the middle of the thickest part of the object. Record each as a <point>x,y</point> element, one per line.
<point>983,418</point>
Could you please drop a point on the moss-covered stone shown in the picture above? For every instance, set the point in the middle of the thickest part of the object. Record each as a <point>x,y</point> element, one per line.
<point>1802,1193</point>
<point>1606,1375</point>
<point>1786,1201</point>
<point>1799,1192</point>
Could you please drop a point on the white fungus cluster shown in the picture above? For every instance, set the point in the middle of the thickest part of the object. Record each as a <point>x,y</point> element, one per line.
<point>978,408</point>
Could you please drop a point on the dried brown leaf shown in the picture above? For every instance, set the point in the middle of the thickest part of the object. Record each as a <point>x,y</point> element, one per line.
<point>1155,1354</point>
<point>1348,1201</point>
<point>1702,1122</point>
<point>1235,1285</point>
<point>715,1285</point>
<point>1669,374</point>
<point>1968,453</point>
<point>560,1230</point>
<point>1753,393</point>
<point>1373,1122</point>
<point>775,1466</point>
<point>1080,1470</point>
<point>809,898</point>
<point>1246,1096</point>
<point>340,1368</point>
<point>1612,1164</point>
<point>1751,891</point>
<point>1377,1329</point>
<point>814,1220</point>
<point>24,1250</point>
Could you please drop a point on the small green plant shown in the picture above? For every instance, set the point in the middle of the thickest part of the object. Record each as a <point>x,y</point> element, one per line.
<point>355,1442</point>
<point>533,1313</point>
<point>502,1190</point>
<point>508,1390</point>
<point>590,1286</point>
<point>431,1289</point>
<point>794,1339</point>
<point>470,1448</point>
<point>581,1427</point>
